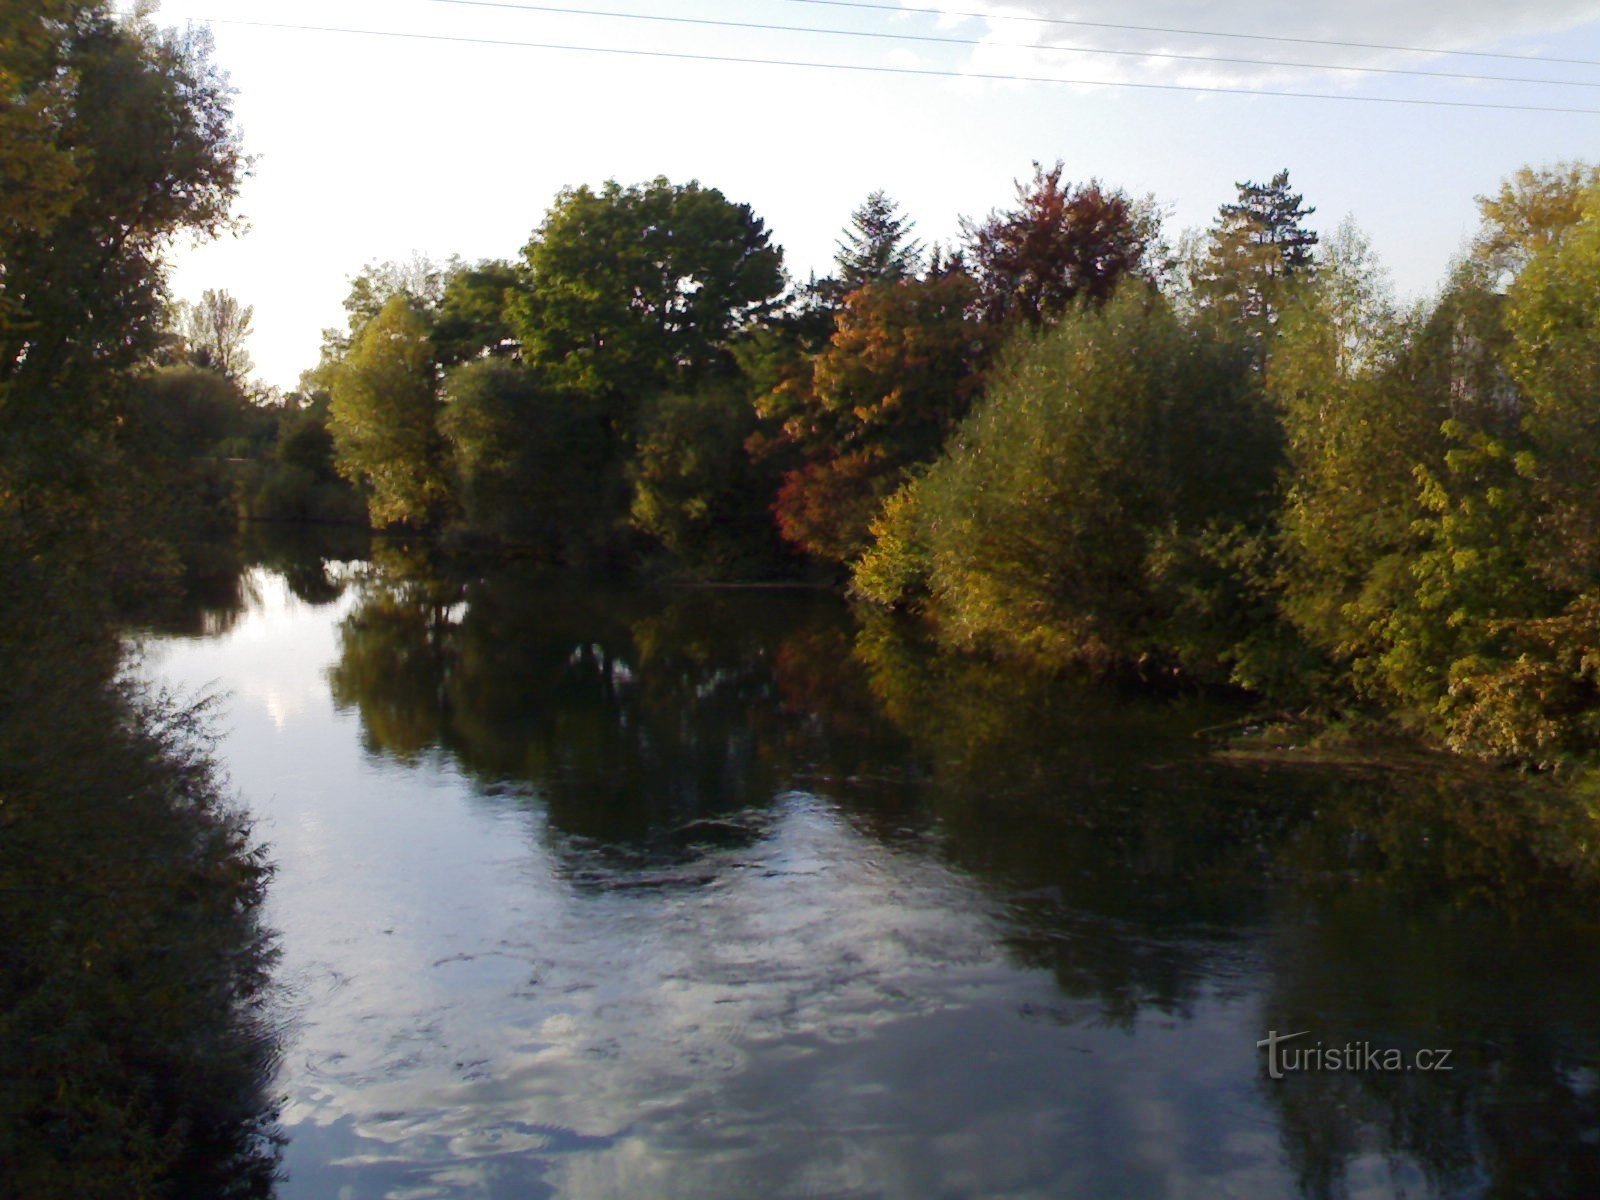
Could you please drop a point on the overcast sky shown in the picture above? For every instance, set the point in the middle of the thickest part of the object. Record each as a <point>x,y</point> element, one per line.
<point>373,147</point>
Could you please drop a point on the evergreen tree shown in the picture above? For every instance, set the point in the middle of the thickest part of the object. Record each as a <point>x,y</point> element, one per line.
<point>1257,245</point>
<point>877,247</point>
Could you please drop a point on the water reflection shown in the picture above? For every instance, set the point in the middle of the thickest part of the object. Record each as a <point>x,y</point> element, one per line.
<point>137,1040</point>
<point>705,894</point>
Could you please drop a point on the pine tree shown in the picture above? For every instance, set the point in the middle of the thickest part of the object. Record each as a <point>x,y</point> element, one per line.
<point>877,246</point>
<point>1257,245</point>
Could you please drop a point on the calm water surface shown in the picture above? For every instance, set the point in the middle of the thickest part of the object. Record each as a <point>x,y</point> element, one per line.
<point>700,894</point>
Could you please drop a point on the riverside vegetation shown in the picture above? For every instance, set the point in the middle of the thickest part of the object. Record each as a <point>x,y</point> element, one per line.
<point>135,1044</point>
<point>1064,442</point>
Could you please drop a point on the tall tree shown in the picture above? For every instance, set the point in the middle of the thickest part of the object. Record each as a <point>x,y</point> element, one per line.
<point>117,136</point>
<point>899,372</point>
<point>1257,245</point>
<point>215,330</point>
<point>636,290</point>
<point>877,247</point>
<point>470,320</point>
<point>1060,242</point>
<point>384,418</point>
<point>1533,209</point>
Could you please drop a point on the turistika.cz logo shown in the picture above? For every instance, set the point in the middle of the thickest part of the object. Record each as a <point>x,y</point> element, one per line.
<point>1285,1059</point>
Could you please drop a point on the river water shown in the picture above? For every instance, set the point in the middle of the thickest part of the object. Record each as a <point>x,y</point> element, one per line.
<point>705,894</point>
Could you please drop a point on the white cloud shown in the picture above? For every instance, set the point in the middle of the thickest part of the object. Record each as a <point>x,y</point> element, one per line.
<point>1107,42</point>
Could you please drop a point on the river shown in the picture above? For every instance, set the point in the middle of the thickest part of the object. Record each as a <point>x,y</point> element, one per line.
<point>694,893</point>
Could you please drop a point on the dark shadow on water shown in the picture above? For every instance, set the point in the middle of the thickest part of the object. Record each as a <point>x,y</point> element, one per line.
<point>137,1046</point>
<point>1408,901</point>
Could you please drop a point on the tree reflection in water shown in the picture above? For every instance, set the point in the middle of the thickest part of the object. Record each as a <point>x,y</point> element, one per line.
<point>136,1045</point>
<point>1406,901</point>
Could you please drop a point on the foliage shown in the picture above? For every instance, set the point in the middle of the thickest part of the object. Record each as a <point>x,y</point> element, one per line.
<point>697,491</point>
<point>301,481</point>
<point>532,462</point>
<point>1098,446</point>
<point>470,320</point>
<point>383,415</point>
<point>1532,209</point>
<point>877,247</point>
<point>893,569</point>
<point>1440,530</point>
<point>132,1045</point>
<point>214,331</point>
<point>128,130</point>
<point>900,370</point>
<point>1062,241</point>
<point>1258,246</point>
<point>1553,318</point>
<point>641,289</point>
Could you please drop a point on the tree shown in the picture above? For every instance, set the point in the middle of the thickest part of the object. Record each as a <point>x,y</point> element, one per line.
<point>383,414</point>
<point>641,289</point>
<point>696,489</point>
<point>215,330</point>
<point>470,319</point>
<point>1532,209</point>
<point>531,462</point>
<point>1554,319</point>
<point>877,247</point>
<point>1105,449</point>
<point>899,372</point>
<point>125,136</point>
<point>1257,246</point>
<point>1062,241</point>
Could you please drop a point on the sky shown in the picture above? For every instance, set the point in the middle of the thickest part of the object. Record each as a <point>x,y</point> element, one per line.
<point>369,146</point>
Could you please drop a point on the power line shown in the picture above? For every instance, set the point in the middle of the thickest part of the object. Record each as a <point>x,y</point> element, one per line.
<point>878,69</point>
<point>966,41</point>
<point>1208,33</point>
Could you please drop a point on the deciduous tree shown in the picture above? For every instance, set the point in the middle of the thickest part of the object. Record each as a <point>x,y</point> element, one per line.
<point>383,415</point>
<point>1060,242</point>
<point>635,290</point>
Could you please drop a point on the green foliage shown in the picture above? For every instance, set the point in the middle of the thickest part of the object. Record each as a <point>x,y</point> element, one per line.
<point>1258,247</point>
<point>129,131</point>
<point>534,463</point>
<point>383,415</point>
<point>696,489</point>
<point>301,481</point>
<point>214,331</point>
<point>1100,447</point>
<point>893,569</point>
<point>877,247</point>
<point>1356,427</point>
<point>131,1047</point>
<point>471,317</point>
<point>1532,209</point>
<point>1440,532</point>
<point>1554,321</point>
<point>636,290</point>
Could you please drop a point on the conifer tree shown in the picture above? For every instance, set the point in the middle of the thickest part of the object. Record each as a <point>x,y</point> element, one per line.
<point>1257,246</point>
<point>877,247</point>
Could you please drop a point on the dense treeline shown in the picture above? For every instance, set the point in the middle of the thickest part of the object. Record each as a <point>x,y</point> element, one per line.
<point>134,1051</point>
<point>1236,461</point>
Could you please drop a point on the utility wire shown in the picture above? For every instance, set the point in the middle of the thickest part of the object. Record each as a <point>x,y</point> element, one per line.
<point>969,41</point>
<point>1208,33</point>
<point>878,69</point>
